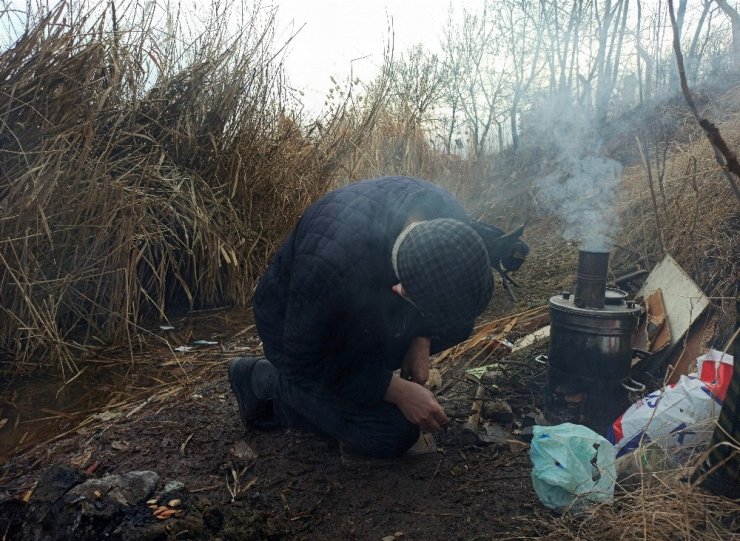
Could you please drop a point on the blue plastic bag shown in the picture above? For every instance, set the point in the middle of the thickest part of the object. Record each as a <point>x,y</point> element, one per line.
<point>572,467</point>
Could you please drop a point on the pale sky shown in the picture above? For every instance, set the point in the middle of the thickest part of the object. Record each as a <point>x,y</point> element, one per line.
<point>340,36</point>
<point>349,36</point>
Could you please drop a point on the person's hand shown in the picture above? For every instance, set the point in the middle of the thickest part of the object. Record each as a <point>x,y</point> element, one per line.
<point>415,364</point>
<point>417,403</point>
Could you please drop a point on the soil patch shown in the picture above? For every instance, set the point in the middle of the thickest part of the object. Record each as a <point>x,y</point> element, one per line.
<point>231,482</point>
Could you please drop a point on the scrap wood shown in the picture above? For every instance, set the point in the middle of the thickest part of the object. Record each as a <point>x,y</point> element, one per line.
<point>700,335</point>
<point>653,333</point>
<point>531,338</point>
<point>493,345</point>
<point>659,333</point>
<point>683,301</point>
<point>535,322</point>
<point>482,334</point>
<point>482,337</point>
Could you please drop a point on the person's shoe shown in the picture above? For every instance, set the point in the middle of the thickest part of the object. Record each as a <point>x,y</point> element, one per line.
<point>251,408</point>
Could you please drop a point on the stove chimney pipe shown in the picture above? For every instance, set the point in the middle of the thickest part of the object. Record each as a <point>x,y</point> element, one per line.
<point>591,279</point>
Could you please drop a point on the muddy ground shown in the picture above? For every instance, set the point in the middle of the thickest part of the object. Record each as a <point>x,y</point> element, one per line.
<point>224,481</point>
<point>245,484</point>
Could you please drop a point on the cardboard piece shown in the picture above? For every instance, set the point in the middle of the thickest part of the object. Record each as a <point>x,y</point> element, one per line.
<point>658,330</point>
<point>683,301</point>
<point>653,333</point>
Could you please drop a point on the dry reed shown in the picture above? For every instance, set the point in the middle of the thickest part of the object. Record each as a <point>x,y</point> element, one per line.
<point>659,506</point>
<point>136,179</point>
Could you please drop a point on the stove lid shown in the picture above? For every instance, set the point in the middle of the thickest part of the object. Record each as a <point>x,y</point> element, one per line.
<point>614,296</point>
<point>615,304</point>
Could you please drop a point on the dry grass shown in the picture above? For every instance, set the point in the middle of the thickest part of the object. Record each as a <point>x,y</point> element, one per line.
<point>135,179</point>
<point>661,507</point>
<point>696,218</point>
<point>138,180</point>
<point>697,213</point>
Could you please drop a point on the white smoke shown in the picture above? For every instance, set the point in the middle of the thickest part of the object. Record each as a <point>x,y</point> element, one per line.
<point>580,181</point>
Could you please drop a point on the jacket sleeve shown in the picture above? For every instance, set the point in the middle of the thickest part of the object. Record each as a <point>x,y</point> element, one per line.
<point>366,385</point>
<point>315,310</point>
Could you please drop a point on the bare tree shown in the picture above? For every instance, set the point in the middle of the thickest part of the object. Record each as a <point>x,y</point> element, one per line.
<point>726,158</point>
<point>523,48</point>
<point>515,51</point>
<point>694,53</point>
<point>475,84</point>
<point>606,65</point>
<point>416,85</point>
<point>734,16</point>
<point>561,42</point>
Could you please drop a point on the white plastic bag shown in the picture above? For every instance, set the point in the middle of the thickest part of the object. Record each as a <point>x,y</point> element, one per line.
<point>678,417</point>
<point>572,467</point>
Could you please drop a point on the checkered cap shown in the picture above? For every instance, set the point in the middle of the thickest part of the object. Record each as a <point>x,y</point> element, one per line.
<point>444,269</point>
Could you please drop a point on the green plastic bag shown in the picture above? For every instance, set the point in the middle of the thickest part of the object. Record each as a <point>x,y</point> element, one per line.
<point>572,467</point>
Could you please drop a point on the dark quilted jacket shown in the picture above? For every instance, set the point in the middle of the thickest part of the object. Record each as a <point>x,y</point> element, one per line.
<point>325,306</point>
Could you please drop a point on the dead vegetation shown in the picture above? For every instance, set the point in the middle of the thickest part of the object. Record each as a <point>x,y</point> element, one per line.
<point>694,216</point>
<point>661,507</point>
<point>135,180</point>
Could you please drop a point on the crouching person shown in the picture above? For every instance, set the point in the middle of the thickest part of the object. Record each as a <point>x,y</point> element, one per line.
<point>376,276</point>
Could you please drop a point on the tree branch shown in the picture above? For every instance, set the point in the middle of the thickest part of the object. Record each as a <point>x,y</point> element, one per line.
<point>721,151</point>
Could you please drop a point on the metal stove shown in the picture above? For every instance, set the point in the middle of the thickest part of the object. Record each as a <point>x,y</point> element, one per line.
<point>590,353</point>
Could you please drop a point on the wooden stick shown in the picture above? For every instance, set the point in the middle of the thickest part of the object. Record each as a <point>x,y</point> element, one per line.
<point>470,428</point>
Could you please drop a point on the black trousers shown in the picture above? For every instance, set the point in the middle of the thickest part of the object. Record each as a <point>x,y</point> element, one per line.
<point>377,429</point>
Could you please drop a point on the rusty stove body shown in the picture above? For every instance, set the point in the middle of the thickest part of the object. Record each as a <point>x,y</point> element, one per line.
<point>590,348</point>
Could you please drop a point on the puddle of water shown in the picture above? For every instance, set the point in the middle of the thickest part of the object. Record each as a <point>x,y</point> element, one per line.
<point>38,407</point>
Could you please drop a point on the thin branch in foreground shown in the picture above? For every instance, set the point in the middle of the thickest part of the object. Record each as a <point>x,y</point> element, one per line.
<point>725,157</point>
